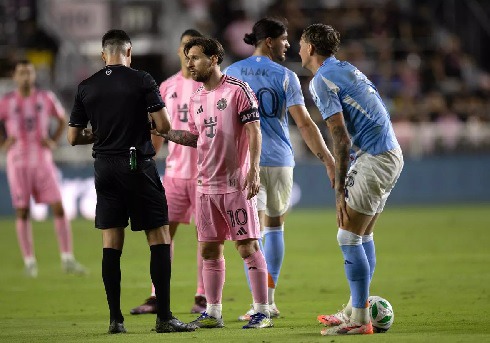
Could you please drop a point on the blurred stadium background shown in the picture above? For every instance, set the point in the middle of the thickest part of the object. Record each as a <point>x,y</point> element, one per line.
<point>429,60</point>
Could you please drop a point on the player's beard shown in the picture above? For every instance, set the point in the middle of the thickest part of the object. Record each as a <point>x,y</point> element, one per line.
<point>201,76</point>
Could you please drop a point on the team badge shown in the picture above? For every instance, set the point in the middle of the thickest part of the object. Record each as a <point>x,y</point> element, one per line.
<point>221,105</point>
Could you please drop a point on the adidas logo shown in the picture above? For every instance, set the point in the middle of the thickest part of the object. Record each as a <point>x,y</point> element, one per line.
<point>241,232</point>
<point>200,110</point>
<point>174,95</point>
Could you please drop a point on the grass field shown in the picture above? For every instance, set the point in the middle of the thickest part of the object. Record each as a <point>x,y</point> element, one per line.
<point>433,266</point>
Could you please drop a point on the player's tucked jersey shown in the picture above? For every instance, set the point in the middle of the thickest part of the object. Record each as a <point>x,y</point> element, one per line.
<point>176,91</point>
<point>219,117</point>
<point>340,87</point>
<point>277,88</point>
<point>27,120</point>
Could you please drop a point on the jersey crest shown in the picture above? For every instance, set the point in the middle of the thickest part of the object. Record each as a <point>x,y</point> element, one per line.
<point>221,105</point>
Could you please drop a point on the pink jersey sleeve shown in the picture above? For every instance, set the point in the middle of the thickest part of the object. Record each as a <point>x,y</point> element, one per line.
<point>247,104</point>
<point>56,109</point>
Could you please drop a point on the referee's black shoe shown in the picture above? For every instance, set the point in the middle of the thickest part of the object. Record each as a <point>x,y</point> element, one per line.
<point>173,325</point>
<point>116,327</point>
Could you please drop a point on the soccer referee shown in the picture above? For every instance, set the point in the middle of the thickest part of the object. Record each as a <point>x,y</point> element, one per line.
<point>116,101</point>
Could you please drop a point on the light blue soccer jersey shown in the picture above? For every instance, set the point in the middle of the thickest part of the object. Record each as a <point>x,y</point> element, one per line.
<point>277,88</point>
<point>340,87</point>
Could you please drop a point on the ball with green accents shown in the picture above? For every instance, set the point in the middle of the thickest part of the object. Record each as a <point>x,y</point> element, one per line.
<point>381,313</point>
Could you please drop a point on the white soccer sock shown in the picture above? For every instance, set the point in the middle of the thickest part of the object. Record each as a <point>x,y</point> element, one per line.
<point>67,256</point>
<point>30,260</point>
<point>348,307</point>
<point>262,308</point>
<point>360,315</point>
<point>270,295</point>
<point>214,310</point>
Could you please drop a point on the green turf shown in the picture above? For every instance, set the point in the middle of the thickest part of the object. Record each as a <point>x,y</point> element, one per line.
<point>433,266</point>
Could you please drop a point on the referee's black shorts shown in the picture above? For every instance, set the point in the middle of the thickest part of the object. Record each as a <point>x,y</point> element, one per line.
<point>124,194</point>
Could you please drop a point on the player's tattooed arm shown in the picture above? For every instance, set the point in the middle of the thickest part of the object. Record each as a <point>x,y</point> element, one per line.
<point>182,137</point>
<point>341,148</point>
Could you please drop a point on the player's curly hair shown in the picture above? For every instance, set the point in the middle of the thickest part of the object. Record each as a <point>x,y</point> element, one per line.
<point>210,47</point>
<point>324,38</point>
<point>265,27</point>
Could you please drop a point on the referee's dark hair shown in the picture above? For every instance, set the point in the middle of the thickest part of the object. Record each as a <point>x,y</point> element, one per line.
<point>115,41</point>
<point>210,47</point>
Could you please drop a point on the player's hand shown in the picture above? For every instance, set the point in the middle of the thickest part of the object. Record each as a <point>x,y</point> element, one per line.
<point>8,143</point>
<point>341,206</point>
<point>49,143</point>
<point>252,182</point>
<point>88,133</point>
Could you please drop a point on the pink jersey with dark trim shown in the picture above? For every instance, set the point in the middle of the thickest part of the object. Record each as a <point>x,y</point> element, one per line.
<point>27,119</point>
<point>176,92</point>
<point>219,118</point>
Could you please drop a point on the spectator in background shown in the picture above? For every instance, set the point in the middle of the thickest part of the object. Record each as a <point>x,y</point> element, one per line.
<point>26,114</point>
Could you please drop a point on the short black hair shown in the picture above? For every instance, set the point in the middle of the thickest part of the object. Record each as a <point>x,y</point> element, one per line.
<point>116,38</point>
<point>266,27</point>
<point>324,38</point>
<point>210,47</point>
<point>191,33</point>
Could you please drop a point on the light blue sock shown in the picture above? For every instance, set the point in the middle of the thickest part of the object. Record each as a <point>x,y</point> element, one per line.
<point>371,256</point>
<point>261,247</point>
<point>274,252</point>
<point>356,267</point>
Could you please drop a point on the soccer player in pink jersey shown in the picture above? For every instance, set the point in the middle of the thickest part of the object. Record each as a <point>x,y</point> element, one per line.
<point>224,126</point>
<point>26,113</point>
<point>180,175</point>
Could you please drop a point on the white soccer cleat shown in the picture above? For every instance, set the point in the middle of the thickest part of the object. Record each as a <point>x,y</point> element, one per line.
<point>350,328</point>
<point>335,319</point>
<point>273,310</point>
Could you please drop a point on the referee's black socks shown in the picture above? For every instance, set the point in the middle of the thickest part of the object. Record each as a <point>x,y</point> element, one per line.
<point>111,274</point>
<point>160,271</point>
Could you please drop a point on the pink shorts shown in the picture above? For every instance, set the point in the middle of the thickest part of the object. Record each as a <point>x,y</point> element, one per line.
<point>230,216</point>
<point>39,181</point>
<point>181,198</point>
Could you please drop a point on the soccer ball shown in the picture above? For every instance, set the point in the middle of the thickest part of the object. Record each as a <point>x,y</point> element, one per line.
<point>381,313</point>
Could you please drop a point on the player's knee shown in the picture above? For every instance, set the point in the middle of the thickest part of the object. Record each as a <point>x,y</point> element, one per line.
<point>345,237</point>
<point>58,210</point>
<point>22,213</point>
<point>247,247</point>
<point>209,252</point>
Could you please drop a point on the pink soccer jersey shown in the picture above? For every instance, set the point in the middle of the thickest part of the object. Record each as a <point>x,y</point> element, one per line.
<point>176,92</point>
<point>219,118</point>
<point>27,120</point>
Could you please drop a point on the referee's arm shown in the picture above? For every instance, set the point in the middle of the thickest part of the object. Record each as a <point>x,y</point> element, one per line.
<point>161,120</point>
<point>80,136</point>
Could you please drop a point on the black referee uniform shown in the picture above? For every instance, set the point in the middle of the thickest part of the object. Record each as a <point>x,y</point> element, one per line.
<point>116,100</point>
